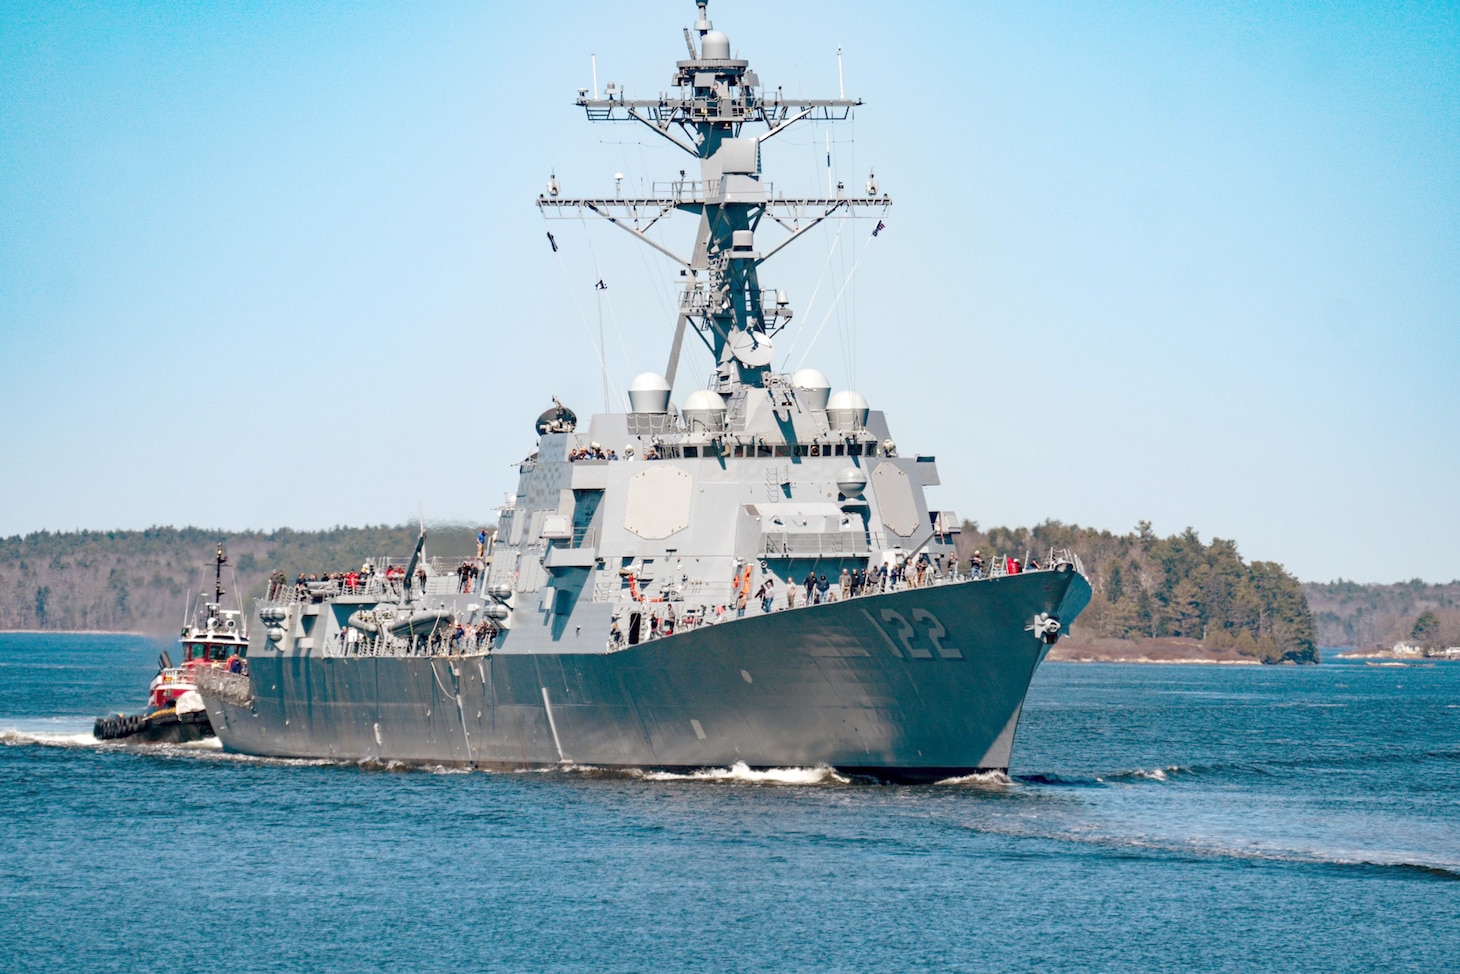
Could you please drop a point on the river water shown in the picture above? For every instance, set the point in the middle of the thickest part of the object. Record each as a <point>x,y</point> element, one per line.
<point>1158,818</point>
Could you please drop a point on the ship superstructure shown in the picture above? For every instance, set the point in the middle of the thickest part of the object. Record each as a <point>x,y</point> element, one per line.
<point>754,575</point>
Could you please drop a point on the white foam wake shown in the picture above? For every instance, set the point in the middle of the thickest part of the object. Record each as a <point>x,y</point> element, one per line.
<point>69,732</point>
<point>445,769</point>
<point>15,736</point>
<point>1154,774</point>
<point>980,779</point>
<point>741,772</point>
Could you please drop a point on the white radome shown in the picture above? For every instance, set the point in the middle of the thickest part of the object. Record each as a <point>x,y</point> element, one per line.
<point>815,384</point>
<point>851,482</point>
<point>715,46</point>
<point>705,410</point>
<point>649,393</point>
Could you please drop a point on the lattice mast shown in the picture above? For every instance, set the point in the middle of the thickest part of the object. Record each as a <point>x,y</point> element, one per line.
<point>715,97</point>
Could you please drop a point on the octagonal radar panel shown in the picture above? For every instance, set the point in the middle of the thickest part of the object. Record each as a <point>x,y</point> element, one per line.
<point>658,502</point>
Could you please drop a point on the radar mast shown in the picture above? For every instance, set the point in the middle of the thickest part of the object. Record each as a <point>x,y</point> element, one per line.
<point>714,98</point>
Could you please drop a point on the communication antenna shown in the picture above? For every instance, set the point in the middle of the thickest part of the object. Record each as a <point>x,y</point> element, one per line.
<point>841,83</point>
<point>598,290</point>
<point>714,100</point>
<point>830,187</point>
<point>595,76</point>
<point>219,561</point>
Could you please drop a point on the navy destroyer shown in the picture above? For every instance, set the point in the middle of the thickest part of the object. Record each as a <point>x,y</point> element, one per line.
<point>752,576</point>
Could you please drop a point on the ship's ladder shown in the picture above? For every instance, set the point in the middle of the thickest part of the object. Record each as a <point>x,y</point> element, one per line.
<point>777,475</point>
<point>604,586</point>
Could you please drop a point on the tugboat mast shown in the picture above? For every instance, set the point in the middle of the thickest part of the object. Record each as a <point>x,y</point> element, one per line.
<point>218,563</point>
<point>715,97</point>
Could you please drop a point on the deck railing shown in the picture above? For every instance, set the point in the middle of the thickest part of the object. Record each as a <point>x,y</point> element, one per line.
<point>681,607</point>
<point>219,682</point>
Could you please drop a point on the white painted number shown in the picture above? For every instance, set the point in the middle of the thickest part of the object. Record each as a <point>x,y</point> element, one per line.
<point>936,632</point>
<point>882,632</point>
<point>906,634</point>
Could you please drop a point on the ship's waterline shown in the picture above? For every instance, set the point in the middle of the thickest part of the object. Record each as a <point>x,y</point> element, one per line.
<point>828,685</point>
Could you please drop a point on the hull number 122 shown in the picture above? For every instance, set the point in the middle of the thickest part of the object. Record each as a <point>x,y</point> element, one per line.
<point>906,635</point>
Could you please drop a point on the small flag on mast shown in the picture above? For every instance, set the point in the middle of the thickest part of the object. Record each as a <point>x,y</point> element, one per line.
<point>552,241</point>
<point>879,228</point>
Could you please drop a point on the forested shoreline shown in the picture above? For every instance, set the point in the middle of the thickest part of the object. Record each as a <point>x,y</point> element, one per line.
<point>138,581</point>
<point>1145,587</point>
<point>1148,587</point>
<point>1373,616</point>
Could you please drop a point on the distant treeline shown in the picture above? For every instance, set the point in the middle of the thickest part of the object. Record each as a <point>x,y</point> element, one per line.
<point>140,580</point>
<point>1365,616</point>
<point>1148,587</point>
<point>1145,586</point>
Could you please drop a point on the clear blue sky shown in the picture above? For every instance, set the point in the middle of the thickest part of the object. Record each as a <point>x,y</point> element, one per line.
<point>272,265</point>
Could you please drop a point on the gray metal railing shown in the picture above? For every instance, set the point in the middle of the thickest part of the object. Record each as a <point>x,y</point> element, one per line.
<point>219,682</point>
<point>478,638</point>
<point>810,545</point>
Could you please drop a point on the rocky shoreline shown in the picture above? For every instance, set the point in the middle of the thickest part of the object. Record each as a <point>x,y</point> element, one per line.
<point>1172,650</point>
<point>1403,652</point>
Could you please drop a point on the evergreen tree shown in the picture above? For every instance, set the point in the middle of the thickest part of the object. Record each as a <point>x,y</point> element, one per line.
<point>1115,586</point>
<point>1426,631</point>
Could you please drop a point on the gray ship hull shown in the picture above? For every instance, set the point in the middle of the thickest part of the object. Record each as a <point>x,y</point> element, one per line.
<point>915,685</point>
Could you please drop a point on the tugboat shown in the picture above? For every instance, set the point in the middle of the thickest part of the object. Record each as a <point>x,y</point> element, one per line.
<point>175,713</point>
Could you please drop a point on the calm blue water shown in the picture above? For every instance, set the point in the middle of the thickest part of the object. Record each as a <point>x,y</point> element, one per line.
<point>1160,818</point>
